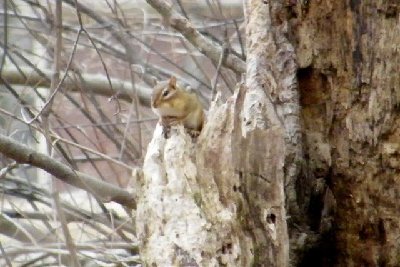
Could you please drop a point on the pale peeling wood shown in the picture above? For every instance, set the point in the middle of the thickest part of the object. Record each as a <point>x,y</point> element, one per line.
<point>216,201</point>
<point>181,219</point>
<point>171,226</point>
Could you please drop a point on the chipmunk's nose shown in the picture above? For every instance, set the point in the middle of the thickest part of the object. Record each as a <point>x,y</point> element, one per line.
<point>154,103</point>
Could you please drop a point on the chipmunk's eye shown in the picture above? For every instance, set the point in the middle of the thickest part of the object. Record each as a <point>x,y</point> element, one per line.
<point>165,93</point>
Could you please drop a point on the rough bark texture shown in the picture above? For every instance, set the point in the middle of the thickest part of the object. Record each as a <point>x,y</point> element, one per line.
<point>226,199</point>
<point>271,71</point>
<point>348,53</point>
<point>221,200</point>
<point>218,200</point>
<point>273,99</point>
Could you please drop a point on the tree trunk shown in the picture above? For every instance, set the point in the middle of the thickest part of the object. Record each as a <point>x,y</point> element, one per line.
<point>220,200</point>
<point>348,53</point>
<point>260,188</point>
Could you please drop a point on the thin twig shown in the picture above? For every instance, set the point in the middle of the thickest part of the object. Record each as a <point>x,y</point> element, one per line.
<point>55,77</point>
<point>83,125</point>
<point>220,63</point>
<point>5,35</point>
<point>240,39</point>
<point>19,228</point>
<point>57,138</point>
<point>102,62</point>
<point>133,106</point>
<point>72,217</point>
<point>5,255</point>
<point>205,46</point>
<point>68,238</point>
<point>132,149</point>
<point>74,212</point>
<point>91,97</point>
<point>94,83</point>
<point>179,2</point>
<point>122,37</point>
<point>7,169</point>
<point>55,91</point>
<point>38,258</point>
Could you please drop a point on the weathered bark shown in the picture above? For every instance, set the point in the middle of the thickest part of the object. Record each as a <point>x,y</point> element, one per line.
<point>221,200</point>
<point>348,52</point>
<point>271,72</point>
<point>237,195</point>
<point>214,201</point>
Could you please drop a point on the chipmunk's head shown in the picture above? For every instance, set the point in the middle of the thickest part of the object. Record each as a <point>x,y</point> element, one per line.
<point>163,92</point>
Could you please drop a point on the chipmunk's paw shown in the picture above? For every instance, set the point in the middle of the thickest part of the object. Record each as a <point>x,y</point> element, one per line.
<point>166,131</point>
<point>193,133</point>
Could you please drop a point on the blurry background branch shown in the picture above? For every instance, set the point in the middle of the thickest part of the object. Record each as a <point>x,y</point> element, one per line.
<point>98,188</point>
<point>96,84</point>
<point>212,50</point>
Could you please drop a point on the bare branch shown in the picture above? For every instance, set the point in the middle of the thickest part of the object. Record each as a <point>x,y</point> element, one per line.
<point>56,79</point>
<point>19,231</point>
<point>96,84</point>
<point>105,191</point>
<point>3,253</point>
<point>217,72</point>
<point>5,35</point>
<point>124,38</point>
<point>205,45</point>
<point>20,188</point>
<point>71,216</point>
<point>67,234</point>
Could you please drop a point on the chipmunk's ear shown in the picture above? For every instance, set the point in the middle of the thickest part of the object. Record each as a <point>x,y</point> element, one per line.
<point>172,82</point>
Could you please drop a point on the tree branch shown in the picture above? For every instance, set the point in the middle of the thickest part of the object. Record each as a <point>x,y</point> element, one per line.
<point>94,83</point>
<point>20,188</point>
<point>210,49</point>
<point>105,191</point>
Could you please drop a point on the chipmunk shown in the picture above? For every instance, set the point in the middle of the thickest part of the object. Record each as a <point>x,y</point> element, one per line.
<point>175,105</point>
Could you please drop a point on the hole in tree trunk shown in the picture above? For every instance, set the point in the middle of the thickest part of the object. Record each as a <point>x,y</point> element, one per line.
<point>271,218</point>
